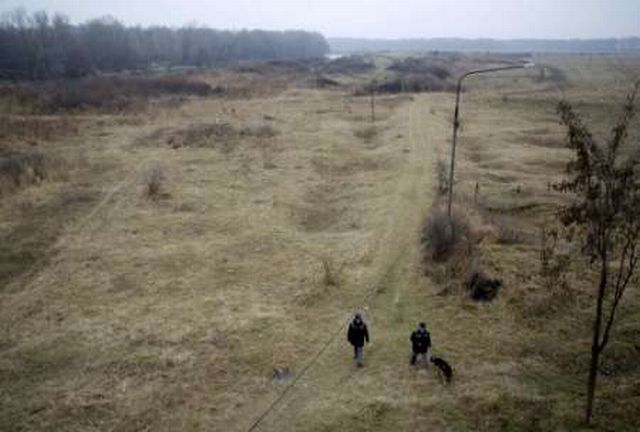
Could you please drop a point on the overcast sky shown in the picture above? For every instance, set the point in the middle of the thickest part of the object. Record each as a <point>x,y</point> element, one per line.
<point>371,18</point>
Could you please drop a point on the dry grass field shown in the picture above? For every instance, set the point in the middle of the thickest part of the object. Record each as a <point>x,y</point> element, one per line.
<point>178,251</point>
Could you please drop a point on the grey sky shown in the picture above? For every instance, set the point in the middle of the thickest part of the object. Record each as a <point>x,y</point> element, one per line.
<point>371,18</point>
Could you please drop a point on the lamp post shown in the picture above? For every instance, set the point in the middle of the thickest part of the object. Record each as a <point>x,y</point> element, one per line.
<point>456,123</point>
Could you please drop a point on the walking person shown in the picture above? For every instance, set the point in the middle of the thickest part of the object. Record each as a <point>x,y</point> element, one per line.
<point>421,344</point>
<point>357,335</point>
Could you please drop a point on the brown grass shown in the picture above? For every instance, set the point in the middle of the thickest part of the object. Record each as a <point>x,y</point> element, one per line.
<point>21,170</point>
<point>34,130</point>
<point>105,94</point>
<point>220,135</point>
<point>120,314</point>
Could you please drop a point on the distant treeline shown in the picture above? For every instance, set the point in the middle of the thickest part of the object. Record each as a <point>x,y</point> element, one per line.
<point>353,45</point>
<point>40,46</point>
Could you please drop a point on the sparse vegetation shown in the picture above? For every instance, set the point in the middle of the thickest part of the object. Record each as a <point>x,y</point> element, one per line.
<point>348,65</point>
<point>329,272</point>
<point>154,181</point>
<point>283,221</point>
<point>413,84</point>
<point>442,177</point>
<point>34,130</point>
<point>222,136</point>
<point>507,233</point>
<point>605,187</point>
<point>443,236</point>
<point>112,94</point>
<point>367,133</point>
<point>20,170</point>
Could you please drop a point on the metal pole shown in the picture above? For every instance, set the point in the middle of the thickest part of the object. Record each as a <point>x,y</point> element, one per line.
<point>456,122</point>
<point>373,102</point>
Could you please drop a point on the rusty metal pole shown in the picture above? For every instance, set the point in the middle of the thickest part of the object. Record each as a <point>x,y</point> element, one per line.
<point>456,122</point>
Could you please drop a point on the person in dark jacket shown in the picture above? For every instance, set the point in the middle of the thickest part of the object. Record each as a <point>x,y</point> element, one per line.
<point>420,343</point>
<point>357,335</point>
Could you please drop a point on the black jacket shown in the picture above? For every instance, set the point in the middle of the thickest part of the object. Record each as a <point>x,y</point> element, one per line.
<point>358,333</point>
<point>420,340</point>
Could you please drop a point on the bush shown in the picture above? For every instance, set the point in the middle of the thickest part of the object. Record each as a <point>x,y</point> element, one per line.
<point>107,93</point>
<point>348,65</point>
<point>554,264</point>
<point>411,84</point>
<point>264,131</point>
<point>17,171</point>
<point>443,236</point>
<point>507,234</point>
<point>481,287</point>
<point>442,177</point>
<point>31,130</point>
<point>154,181</point>
<point>213,135</point>
<point>329,272</point>
<point>366,134</point>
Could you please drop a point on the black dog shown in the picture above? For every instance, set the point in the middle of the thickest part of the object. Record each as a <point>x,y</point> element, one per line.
<point>445,369</point>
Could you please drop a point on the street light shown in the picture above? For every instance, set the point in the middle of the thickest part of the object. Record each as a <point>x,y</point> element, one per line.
<point>456,123</point>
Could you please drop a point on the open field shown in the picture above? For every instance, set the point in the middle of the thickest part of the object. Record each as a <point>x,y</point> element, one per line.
<point>180,251</point>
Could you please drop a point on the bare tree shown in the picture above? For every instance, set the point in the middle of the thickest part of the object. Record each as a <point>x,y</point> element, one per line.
<point>39,46</point>
<point>604,180</point>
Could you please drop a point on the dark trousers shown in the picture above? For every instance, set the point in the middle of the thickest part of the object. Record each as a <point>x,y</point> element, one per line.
<point>358,354</point>
<point>426,355</point>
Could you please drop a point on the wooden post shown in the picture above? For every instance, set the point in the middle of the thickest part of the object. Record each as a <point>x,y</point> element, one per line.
<point>373,101</point>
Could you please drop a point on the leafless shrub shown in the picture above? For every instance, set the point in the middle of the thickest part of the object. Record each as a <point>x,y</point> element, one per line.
<point>507,233</point>
<point>154,182</point>
<point>348,65</point>
<point>442,236</point>
<point>203,135</point>
<point>552,74</point>
<point>442,177</point>
<point>264,131</point>
<point>32,130</point>
<point>424,66</point>
<point>410,84</point>
<point>366,134</point>
<point>217,135</point>
<point>450,276</point>
<point>329,272</point>
<point>20,170</point>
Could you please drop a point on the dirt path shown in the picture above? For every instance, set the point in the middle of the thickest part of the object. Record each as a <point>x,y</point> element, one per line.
<point>334,394</point>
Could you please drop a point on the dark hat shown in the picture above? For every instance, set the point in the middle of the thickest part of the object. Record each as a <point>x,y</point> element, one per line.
<point>422,325</point>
